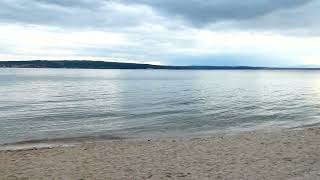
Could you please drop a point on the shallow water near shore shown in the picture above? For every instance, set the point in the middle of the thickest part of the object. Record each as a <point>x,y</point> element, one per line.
<point>38,104</point>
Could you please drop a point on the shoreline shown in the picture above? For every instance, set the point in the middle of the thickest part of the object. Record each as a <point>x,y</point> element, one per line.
<point>283,154</point>
<point>57,142</point>
<point>78,141</point>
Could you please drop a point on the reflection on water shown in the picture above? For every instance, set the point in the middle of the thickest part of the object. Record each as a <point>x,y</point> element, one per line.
<point>58,103</point>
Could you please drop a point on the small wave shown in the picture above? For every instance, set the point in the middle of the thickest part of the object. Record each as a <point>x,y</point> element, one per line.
<point>57,142</point>
<point>309,125</point>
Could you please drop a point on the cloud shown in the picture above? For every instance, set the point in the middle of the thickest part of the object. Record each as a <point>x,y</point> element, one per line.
<point>127,13</point>
<point>203,12</point>
<point>302,20</point>
<point>91,4</point>
<point>71,13</point>
<point>217,32</point>
<point>284,16</point>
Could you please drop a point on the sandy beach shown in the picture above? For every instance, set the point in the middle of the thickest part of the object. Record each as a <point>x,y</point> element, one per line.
<point>287,154</point>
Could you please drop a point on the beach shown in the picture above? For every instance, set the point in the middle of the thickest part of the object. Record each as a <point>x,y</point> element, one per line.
<point>283,154</point>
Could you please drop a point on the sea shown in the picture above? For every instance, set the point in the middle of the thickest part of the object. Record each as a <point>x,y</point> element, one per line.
<point>51,104</point>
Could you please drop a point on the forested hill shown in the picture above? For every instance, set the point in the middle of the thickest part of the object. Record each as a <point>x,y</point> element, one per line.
<point>77,64</point>
<point>100,65</point>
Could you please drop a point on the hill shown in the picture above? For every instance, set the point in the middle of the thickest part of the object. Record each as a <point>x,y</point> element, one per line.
<point>78,64</point>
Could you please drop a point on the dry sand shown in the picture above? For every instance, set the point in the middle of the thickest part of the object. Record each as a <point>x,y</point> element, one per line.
<point>289,154</point>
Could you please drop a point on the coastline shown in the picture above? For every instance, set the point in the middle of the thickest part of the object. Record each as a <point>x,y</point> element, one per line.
<point>52,143</point>
<point>282,154</point>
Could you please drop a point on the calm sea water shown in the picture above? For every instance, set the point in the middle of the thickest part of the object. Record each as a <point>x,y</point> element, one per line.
<point>60,103</point>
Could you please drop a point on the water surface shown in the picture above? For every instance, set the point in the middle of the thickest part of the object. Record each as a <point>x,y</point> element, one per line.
<point>38,104</point>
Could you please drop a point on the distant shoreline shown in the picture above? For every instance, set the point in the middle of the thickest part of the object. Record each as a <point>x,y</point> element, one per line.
<point>77,64</point>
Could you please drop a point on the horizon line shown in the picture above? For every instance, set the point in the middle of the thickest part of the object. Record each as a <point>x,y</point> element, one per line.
<point>304,66</point>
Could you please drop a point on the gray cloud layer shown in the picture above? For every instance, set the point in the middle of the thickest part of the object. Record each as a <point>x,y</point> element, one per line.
<point>163,29</point>
<point>202,12</point>
<point>127,13</point>
<point>73,13</point>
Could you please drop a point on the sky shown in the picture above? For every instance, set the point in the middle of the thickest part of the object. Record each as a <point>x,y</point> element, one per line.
<point>180,32</point>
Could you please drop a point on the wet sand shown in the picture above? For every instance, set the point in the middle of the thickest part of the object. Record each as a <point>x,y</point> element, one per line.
<point>287,154</point>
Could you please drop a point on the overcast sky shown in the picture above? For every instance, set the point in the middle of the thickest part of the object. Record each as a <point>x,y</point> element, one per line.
<point>174,32</point>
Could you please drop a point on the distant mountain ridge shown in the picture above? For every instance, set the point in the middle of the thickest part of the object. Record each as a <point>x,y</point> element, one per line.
<point>85,64</point>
